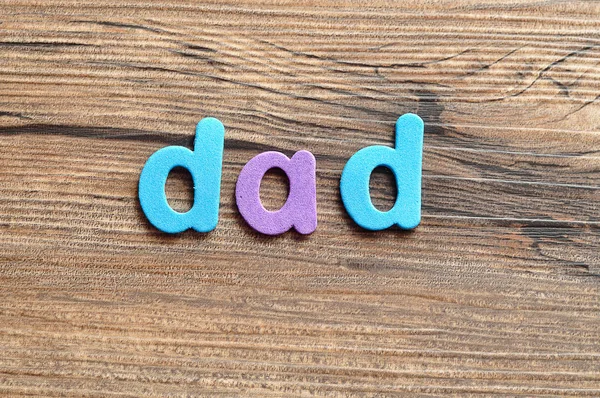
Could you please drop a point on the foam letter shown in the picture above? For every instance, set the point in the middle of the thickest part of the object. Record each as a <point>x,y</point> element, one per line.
<point>404,161</point>
<point>300,209</point>
<point>204,164</point>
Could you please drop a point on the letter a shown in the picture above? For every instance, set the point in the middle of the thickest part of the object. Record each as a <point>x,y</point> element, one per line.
<point>204,164</point>
<point>405,161</point>
<point>300,209</point>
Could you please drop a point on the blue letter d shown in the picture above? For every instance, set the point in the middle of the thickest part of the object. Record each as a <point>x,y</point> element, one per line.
<point>404,161</point>
<point>204,164</point>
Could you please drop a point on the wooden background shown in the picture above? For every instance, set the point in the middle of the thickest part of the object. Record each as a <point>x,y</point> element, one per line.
<point>497,292</point>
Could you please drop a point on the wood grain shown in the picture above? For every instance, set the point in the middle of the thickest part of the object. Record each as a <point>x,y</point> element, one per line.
<point>496,293</point>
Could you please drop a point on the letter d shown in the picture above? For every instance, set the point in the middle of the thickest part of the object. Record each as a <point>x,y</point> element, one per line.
<point>405,161</point>
<point>204,165</point>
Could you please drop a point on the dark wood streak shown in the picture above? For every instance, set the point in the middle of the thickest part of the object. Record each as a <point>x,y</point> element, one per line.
<point>132,135</point>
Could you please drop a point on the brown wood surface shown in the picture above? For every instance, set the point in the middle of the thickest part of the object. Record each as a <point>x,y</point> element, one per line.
<point>497,292</point>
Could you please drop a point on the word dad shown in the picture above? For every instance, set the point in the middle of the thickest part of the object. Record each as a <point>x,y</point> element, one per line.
<point>204,164</point>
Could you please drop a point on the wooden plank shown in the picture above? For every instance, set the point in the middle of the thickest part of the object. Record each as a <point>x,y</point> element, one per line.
<point>497,292</point>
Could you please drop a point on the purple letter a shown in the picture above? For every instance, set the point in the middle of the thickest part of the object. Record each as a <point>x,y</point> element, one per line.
<point>300,209</point>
